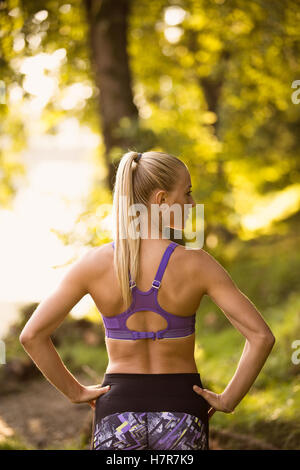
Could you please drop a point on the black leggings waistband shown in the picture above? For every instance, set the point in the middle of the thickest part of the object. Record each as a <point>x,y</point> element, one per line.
<point>148,384</point>
<point>152,392</point>
<point>125,375</point>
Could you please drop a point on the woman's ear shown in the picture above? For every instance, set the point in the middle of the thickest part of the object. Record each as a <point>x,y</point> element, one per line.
<point>160,197</point>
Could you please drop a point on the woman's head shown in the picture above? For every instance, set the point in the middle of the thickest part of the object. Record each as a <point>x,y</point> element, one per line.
<point>156,178</point>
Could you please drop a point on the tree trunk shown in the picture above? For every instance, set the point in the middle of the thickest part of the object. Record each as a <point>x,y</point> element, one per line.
<point>108,22</point>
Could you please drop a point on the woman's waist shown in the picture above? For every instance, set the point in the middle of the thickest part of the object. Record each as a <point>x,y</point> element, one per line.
<point>138,368</point>
<point>152,364</point>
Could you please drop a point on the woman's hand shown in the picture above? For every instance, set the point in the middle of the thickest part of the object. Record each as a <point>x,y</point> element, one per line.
<point>214,399</point>
<point>89,394</point>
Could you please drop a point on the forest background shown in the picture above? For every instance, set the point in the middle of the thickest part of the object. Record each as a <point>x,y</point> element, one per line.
<point>214,82</point>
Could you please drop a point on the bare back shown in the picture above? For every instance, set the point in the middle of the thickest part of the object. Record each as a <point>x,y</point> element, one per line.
<point>179,294</point>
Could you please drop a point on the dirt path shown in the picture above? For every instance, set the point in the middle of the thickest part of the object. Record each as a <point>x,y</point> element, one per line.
<point>42,417</point>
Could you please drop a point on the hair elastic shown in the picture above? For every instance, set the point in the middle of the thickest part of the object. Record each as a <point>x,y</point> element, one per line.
<point>138,157</point>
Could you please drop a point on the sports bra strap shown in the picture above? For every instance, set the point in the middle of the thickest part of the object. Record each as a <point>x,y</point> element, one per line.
<point>163,264</point>
<point>164,261</point>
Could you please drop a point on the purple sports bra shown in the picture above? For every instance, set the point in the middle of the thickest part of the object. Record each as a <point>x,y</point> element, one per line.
<point>178,326</point>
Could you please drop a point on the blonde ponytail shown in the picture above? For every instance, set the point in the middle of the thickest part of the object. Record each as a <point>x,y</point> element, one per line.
<point>134,184</point>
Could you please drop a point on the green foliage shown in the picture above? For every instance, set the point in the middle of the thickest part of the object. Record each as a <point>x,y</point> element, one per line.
<point>221,97</point>
<point>76,355</point>
<point>73,444</point>
<point>80,343</point>
<point>14,443</point>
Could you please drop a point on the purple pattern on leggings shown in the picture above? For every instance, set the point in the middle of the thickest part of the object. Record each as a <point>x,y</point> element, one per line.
<point>150,430</point>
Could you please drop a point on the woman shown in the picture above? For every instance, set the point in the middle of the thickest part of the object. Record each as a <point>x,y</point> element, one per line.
<point>148,290</point>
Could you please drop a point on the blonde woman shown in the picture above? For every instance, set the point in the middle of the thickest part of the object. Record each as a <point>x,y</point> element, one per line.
<point>148,290</point>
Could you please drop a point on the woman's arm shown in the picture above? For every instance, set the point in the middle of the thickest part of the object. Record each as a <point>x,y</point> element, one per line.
<point>35,336</point>
<point>246,319</point>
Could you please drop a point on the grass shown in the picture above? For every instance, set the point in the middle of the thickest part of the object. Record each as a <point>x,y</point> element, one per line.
<point>14,443</point>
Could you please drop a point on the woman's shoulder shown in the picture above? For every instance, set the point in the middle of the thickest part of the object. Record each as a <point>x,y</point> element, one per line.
<point>205,265</point>
<point>95,260</point>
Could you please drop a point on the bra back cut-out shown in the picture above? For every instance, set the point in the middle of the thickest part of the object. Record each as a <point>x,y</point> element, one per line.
<point>178,326</point>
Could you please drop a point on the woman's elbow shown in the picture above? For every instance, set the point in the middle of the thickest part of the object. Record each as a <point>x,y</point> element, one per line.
<point>271,339</point>
<point>27,336</point>
<point>24,338</point>
<point>263,339</point>
<point>268,339</point>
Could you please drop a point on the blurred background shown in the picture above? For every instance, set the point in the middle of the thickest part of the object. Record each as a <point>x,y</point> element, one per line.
<point>213,82</point>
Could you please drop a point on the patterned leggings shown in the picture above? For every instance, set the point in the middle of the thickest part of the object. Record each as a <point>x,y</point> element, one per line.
<point>151,411</point>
